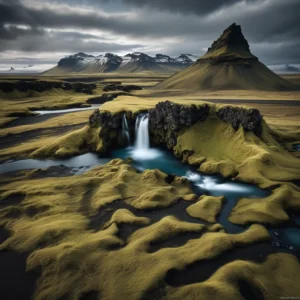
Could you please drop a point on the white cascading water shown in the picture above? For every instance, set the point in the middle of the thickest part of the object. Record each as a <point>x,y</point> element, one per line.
<point>142,148</point>
<point>142,141</point>
<point>125,130</point>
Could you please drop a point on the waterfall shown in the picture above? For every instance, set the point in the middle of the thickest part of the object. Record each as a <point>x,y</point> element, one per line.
<point>125,130</point>
<point>142,141</point>
<point>141,149</point>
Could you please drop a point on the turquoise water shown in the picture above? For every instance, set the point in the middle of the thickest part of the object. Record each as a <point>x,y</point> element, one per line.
<point>155,158</point>
<point>202,184</point>
<point>79,164</point>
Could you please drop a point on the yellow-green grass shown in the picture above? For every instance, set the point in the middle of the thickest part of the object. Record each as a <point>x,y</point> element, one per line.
<point>52,100</point>
<point>64,145</point>
<point>207,208</point>
<point>227,76</point>
<point>53,227</point>
<point>295,78</point>
<point>108,76</point>
<point>228,94</point>
<point>73,118</point>
<point>269,210</point>
<point>273,279</point>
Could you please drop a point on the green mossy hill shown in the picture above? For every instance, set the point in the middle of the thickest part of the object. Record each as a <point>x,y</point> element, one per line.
<point>56,229</point>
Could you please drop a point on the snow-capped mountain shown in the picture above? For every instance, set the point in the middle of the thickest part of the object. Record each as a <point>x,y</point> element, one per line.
<point>131,62</point>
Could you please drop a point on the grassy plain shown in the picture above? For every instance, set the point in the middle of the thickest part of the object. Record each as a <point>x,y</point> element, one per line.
<point>95,234</point>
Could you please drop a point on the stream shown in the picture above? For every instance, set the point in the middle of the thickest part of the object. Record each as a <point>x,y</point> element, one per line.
<point>43,115</point>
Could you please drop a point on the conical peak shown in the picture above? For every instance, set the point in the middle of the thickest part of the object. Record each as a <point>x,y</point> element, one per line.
<point>231,43</point>
<point>232,37</point>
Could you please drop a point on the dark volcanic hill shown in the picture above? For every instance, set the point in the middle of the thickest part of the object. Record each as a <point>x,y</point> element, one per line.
<point>228,64</point>
<point>131,63</point>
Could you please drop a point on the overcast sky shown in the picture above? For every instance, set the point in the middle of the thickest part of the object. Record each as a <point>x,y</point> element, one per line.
<point>46,30</point>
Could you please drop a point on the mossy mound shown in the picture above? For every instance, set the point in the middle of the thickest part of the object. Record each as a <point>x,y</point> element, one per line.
<point>269,210</point>
<point>253,280</point>
<point>72,143</point>
<point>207,208</point>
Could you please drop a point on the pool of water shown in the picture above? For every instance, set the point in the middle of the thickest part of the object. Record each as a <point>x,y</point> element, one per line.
<point>202,184</point>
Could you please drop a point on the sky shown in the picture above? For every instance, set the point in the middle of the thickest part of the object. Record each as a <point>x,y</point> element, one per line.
<point>44,31</point>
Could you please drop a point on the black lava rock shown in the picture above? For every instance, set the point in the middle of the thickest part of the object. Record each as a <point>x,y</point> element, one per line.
<point>249,119</point>
<point>119,87</point>
<point>104,98</point>
<point>41,86</point>
<point>168,118</point>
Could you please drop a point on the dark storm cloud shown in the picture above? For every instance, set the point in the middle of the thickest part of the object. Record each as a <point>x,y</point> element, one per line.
<point>178,6</point>
<point>13,36</point>
<point>272,27</point>
<point>187,6</point>
<point>160,25</point>
<point>14,32</point>
<point>32,40</point>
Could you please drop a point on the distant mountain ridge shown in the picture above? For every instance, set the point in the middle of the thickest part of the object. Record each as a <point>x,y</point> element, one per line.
<point>130,63</point>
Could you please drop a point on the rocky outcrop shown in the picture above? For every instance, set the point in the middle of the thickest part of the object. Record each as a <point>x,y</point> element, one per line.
<point>41,86</point>
<point>106,120</point>
<point>231,47</point>
<point>168,118</point>
<point>231,37</point>
<point>104,98</point>
<point>165,121</point>
<point>249,119</point>
<point>111,127</point>
<point>119,87</point>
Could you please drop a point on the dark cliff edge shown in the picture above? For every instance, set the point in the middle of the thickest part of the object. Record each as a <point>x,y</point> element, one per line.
<point>249,119</point>
<point>42,86</point>
<point>167,119</point>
